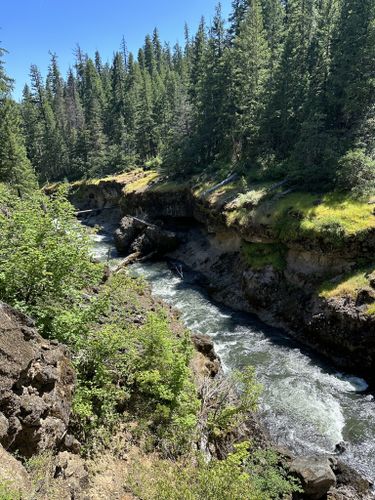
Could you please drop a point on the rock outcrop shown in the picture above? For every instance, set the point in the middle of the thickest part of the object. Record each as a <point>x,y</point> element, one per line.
<point>208,363</point>
<point>315,474</point>
<point>138,236</point>
<point>36,386</point>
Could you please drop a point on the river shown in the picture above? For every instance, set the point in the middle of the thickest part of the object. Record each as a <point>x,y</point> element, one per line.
<point>306,404</point>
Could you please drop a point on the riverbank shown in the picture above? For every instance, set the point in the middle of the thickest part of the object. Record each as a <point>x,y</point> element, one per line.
<point>300,262</point>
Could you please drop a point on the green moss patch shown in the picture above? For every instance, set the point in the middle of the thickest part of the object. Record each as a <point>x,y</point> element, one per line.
<point>349,286</point>
<point>333,217</point>
<point>260,255</point>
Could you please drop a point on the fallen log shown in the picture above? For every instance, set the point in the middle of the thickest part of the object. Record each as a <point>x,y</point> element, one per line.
<point>131,259</point>
<point>230,179</point>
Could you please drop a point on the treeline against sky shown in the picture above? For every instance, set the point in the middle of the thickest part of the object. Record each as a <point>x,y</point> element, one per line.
<point>283,89</point>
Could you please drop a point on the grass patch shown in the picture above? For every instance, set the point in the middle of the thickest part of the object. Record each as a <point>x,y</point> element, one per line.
<point>260,255</point>
<point>141,182</point>
<point>348,286</point>
<point>9,492</point>
<point>167,187</point>
<point>371,309</point>
<point>334,217</point>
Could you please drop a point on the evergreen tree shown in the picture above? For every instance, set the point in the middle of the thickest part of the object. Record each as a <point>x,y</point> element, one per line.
<point>212,118</point>
<point>149,55</point>
<point>273,21</point>
<point>293,77</point>
<point>95,140</point>
<point>250,73</point>
<point>15,167</point>
<point>239,9</point>
<point>53,151</point>
<point>312,153</point>
<point>351,83</point>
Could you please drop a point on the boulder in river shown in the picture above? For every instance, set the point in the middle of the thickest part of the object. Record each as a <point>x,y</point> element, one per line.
<point>315,474</point>
<point>137,236</point>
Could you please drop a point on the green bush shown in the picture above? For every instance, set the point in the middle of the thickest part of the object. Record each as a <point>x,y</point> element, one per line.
<point>44,256</point>
<point>357,174</point>
<point>123,367</point>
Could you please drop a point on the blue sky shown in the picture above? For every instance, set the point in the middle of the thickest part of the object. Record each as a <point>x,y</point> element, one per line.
<point>31,28</point>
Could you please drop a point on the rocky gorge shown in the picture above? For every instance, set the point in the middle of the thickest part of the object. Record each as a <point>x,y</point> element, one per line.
<point>251,262</point>
<point>246,266</point>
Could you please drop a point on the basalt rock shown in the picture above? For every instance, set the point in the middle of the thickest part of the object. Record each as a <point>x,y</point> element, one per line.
<point>136,235</point>
<point>73,471</point>
<point>315,474</point>
<point>36,386</point>
<point>205,347</point>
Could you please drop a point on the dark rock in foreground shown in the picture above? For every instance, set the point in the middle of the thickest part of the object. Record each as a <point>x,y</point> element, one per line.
<point>36,386</point>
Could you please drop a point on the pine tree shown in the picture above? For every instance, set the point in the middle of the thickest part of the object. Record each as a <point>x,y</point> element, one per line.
<point>239,9</point>
<point>250,74</point>
<point>211,101</point>
<point>149,55</point>
<point>197,64</point>
<point>95,140</point>
<point>273,21</point>
<point>15,167</point>
<point>54,155</point>
<point>311,153</point>
<point>351,82</point>
<point>144,122</point>
<point>293,76</point>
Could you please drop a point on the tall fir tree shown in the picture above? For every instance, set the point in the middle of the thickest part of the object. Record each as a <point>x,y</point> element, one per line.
<point>250,72</point>
<point>15,167</point>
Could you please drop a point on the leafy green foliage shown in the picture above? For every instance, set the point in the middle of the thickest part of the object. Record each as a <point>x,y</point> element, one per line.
<point>44,256</point>
<point>123,366</point>
<point>243,475</point>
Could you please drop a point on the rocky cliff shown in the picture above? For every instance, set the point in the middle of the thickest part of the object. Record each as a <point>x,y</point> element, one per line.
<point>302,262</point>
<point>36,387</point>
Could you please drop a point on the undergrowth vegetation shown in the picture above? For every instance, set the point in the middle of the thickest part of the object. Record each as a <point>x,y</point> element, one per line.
<point>131,363</point>
<point>350,285</point>
<point>245,474</point>
<point>8,491</point>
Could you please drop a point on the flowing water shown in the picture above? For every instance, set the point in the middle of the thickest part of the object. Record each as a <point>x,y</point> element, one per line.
<point>306,404</point>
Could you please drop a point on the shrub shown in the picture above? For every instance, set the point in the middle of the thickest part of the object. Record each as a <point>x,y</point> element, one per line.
<point>122,366</point>
<point>241,476</point>
<point>153,163</point>
<point>44,256</point>
<point>357,174</point>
